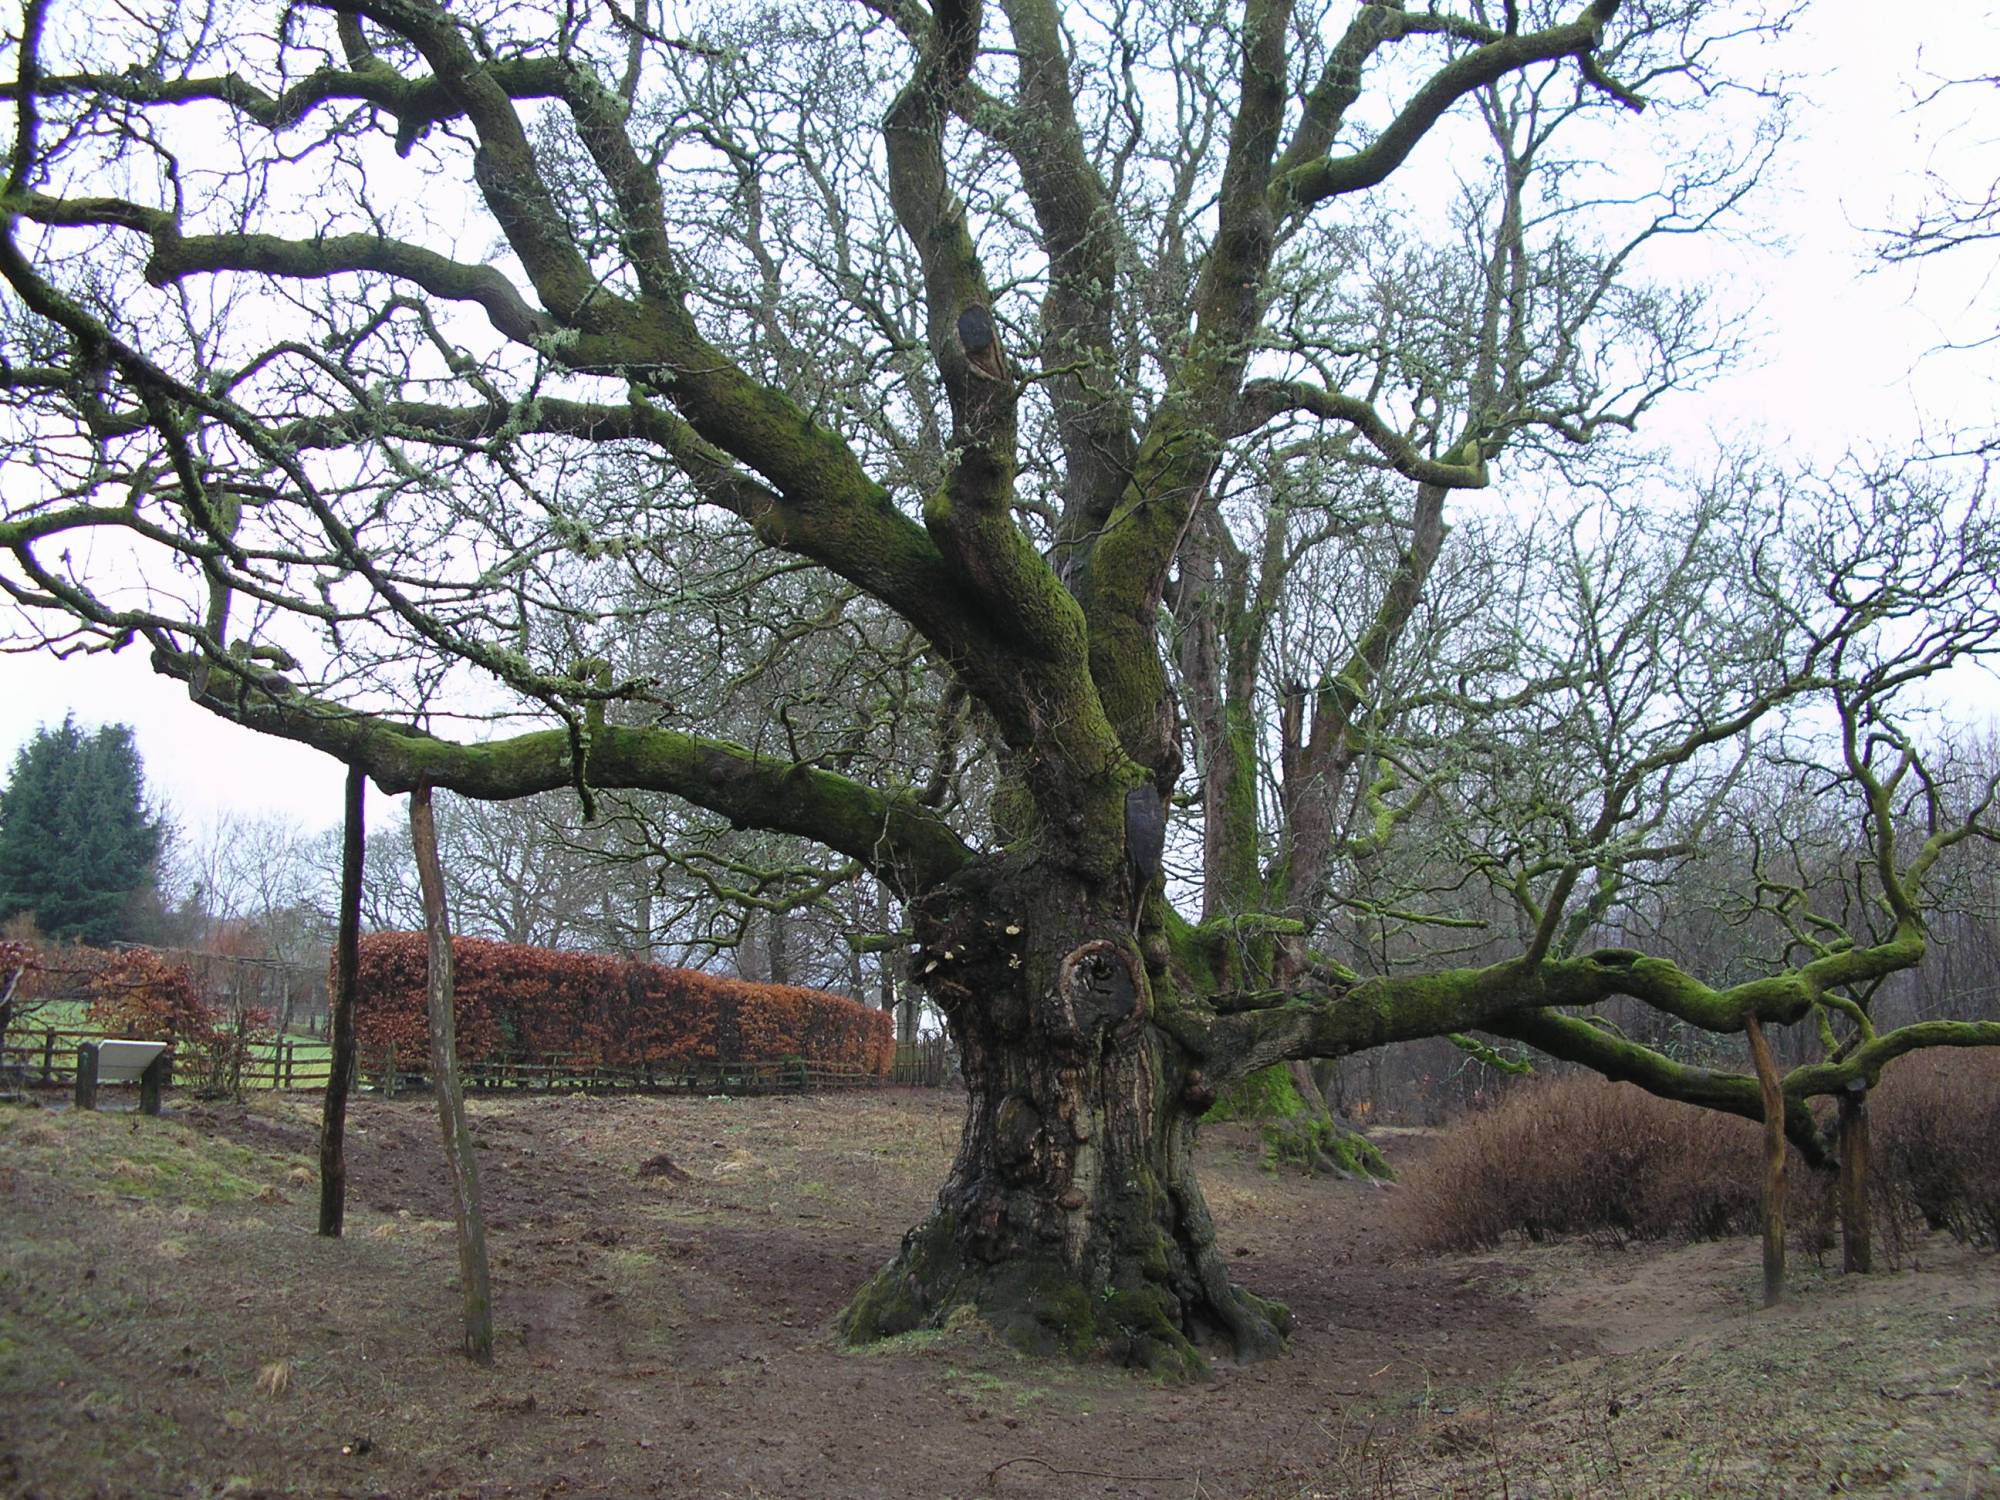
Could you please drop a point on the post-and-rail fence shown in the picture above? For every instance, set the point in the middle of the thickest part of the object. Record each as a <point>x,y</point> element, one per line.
<point>39,1053</point>
<point>45,1056</point>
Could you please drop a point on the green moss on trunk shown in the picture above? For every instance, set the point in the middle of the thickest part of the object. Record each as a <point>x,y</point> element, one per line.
<point>1267,1094</point>
<point>1295,1134</point>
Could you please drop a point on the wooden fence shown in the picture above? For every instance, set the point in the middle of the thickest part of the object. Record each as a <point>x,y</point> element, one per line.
<point>582,1073</point>
<point>924,1063</point>
<point>46,1056</point>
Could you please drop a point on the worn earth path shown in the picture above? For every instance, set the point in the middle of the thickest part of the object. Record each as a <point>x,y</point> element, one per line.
<point>666,1272</point>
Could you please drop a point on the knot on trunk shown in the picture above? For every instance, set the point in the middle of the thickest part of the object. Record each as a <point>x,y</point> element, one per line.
<point>1099,986</point>
<point>1197,1092</point>
<point>1018,1143</point>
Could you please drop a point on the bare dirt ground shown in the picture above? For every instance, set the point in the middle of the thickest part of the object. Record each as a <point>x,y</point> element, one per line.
<point>171,1326</point>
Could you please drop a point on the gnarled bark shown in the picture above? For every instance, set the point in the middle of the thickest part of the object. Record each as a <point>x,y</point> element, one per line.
<point>1071,1220</point>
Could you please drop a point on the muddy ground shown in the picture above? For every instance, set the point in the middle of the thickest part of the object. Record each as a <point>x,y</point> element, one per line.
<point>171,1326</point>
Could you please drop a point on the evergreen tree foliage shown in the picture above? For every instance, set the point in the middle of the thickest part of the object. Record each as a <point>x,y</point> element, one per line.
<point>78,844</point>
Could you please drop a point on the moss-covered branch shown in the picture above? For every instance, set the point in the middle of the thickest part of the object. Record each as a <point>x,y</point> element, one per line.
<point>504,166</point>
<point>745,444</point>
<point>415,103</point>
<point>1281,1025</point>
<point>1330,176</point>
<point>1574,1039</point>
<point>971,515</point>
<point>1261,1028</point>
<point>905,844</point>
<point>1035,675</point>
<point>1079,226</point>
<point>1265,400</point>
<point>1865,1063</point>
<point>1122,581</point>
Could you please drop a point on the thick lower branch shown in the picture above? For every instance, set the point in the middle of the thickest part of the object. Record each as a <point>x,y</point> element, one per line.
<point>1261,1028</point>
<point>1401,1008</point>
<point>903,843</point>
<point>1574,1039</point>
<point>1865,1063</point>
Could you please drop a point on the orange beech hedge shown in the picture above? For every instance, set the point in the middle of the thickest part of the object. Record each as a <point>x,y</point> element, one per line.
<point>537,1004</point>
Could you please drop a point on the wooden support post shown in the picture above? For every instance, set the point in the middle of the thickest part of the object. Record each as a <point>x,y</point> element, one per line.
<point>48,1054</point>
<point>86,1075</point>
<point>1857,1250</point>
<point>153,1082</point>
<point>475,1285</point>
<point>1774,1163</point>
<point>340,1066</point>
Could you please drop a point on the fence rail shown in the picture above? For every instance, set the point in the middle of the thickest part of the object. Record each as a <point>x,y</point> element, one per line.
<point>696,1076</point>
<point>46,1055</point>
<point>925,1063</point>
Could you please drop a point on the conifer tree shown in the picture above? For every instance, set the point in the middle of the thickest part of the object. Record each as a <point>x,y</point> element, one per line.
<point>78,843</point>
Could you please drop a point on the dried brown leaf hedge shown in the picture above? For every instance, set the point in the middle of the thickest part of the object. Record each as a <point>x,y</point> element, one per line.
<point>537,1004</point>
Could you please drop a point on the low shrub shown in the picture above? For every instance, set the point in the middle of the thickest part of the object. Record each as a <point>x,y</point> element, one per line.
<point>535,1004</point>
<point>1935,1126</point>
<point>136,993</point>
<point>1577,1155</point>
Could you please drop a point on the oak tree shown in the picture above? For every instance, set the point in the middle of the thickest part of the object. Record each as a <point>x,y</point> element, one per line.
<point>463,390</point>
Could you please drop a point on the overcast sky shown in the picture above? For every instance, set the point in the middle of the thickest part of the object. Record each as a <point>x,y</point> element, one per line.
<point>1845,361</point>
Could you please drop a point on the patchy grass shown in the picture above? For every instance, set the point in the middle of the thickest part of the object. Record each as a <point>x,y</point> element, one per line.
<point>672,1336</point>
<point>1853,1392</point>
<point>129,1155</point>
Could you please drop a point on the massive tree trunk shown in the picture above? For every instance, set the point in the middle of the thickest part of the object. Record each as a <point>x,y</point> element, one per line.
<point>1071,1220</point>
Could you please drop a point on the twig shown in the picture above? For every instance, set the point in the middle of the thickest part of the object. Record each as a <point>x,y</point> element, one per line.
<point>1609,85</point>
<point>1028,1458</point>
<point>1889,1395</point>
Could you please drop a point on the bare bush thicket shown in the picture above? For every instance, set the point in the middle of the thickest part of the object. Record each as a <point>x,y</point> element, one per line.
<point>1937,1141</point>
<point>1580,1156</point>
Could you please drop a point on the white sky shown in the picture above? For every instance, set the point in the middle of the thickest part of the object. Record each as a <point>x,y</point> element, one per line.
<point>1843,363</point>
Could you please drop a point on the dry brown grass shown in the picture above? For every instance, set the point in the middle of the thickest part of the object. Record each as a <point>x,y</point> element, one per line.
<point>673,1339</point>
